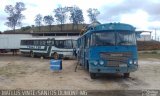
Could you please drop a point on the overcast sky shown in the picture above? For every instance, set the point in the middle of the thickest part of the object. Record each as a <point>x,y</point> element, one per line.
<point>143,14</point>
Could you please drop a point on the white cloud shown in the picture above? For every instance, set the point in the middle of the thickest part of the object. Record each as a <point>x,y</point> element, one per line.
<point>111,11</point>
<point>138,19</point>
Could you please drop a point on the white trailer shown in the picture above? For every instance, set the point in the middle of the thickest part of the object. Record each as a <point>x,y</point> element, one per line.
<point>11,42</point>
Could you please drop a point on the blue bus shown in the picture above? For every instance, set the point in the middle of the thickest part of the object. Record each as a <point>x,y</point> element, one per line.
<point>108,48</point>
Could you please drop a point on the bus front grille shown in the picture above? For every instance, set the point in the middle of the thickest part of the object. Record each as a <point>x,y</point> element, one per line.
<point>115,59</point>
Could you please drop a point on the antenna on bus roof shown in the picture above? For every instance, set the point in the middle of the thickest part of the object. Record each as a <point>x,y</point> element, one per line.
<point>90,27</point>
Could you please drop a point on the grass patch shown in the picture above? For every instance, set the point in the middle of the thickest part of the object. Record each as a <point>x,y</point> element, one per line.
<point>12,70</point>
<point>152,54</point>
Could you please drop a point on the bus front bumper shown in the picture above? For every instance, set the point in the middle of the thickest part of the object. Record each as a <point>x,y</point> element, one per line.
<point>113,69</point>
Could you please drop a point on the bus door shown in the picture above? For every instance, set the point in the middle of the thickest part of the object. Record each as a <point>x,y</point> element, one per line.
<point>50,43</point>
<point>81,51</point>
<point>86,52</point>
<point>74,47</point>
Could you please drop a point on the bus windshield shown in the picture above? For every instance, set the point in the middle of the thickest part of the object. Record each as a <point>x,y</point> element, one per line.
<point>125,38</point>
<point>103,38</point>
<point>68,44</point>
<point>113,38</point>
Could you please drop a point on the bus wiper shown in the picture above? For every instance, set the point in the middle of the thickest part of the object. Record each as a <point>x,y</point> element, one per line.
<point>123,43</point>
<point>107,43</point>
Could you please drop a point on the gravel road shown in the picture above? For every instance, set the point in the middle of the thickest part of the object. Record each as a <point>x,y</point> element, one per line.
<point>19,72</point>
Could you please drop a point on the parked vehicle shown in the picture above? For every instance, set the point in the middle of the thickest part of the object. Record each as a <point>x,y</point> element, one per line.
<point>108,48</point>
<point>48,47</point>
<point>11,42</point>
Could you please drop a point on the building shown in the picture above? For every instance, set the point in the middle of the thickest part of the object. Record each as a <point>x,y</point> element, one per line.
<point>144,37</point>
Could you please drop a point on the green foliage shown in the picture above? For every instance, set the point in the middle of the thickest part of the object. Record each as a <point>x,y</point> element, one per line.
<point>76,16</point>
<point>149,55</point>
<point>38,20</point>
<point>48,20</point>
<point>15,14</point>
<point>92,14</point>
<point>154,52</point>
<point>61,15</point>
<point>26,28</point>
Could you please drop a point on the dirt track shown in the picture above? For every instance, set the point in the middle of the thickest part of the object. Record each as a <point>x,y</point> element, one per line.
<point>18,72</point>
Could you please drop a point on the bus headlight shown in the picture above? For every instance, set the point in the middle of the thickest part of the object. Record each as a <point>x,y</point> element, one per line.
<point>135,62</point>
<point>130,61</point>
<point>101,62</point>
<point>95,62</point>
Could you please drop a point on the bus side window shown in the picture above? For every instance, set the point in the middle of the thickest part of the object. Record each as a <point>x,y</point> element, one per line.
<point>22,42</point>
<point>52,42</point>
<point>40,42</point>
<point>87,42</point>
<point>35,42</point>
<point>55,43</point>
<point>83,42</point>
<point>93,39</point>
<point>27,42</point>
<point>30,42</point>
<point>48,42</point>
<point>44,42</point>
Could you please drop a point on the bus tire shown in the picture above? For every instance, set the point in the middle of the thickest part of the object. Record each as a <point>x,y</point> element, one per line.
<point>42,57</point>
<point>32,54</point>
<point>55,55</point>
<point>93,75</point>
<point>87,66</point>
<point>126,75</point>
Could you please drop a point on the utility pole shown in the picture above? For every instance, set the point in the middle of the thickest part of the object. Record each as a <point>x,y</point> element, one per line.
<point>155,33</point>
<point>150,35</point>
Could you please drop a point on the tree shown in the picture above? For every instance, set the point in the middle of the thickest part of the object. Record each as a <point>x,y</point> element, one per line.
<point>15,14</point>
<point>93,13</point>
<point>48,20</point>
<point>25,28</point>
<point>38,21</point>
<point>76,16</point>
<point>60,15</point>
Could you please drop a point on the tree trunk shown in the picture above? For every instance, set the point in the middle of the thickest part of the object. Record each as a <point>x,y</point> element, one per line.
<point>39,28</point>
<point>61,27</point>
<point>50,28</point>
<point>77,26</point>
<point>14,29</point>
<point>72,26</point>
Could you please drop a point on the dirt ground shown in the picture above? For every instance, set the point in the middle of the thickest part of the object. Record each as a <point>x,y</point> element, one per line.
<point>19,72</point>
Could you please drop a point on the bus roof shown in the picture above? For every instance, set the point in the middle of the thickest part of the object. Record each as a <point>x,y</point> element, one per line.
<point>114,26</point>
<point>110,26</point>
<point>66,38</point>
<point>56,38</point>
<point>36,38</point>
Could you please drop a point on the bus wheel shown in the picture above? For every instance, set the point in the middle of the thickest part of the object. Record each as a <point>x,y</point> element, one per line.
<point>55,56</point>
<point>42,57</point>
<point>126,75</point>
<point>87,66</point>
<point>32,54</point>
<point>93,75</point>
